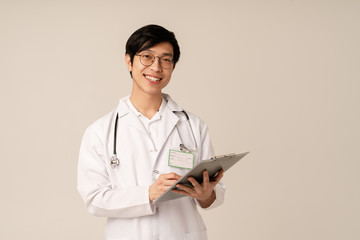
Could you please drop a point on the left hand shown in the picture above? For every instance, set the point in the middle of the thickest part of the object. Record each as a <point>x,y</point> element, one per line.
<point>203,191</point>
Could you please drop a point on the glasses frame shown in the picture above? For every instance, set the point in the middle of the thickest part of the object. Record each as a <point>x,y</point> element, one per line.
<point>152,62</point>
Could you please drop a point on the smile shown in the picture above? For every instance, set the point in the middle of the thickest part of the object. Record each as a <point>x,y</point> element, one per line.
<point>151,78</point>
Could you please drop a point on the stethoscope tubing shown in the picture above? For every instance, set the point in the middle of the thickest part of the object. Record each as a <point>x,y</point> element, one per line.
<point>115,132</point>
<point>114,161</point>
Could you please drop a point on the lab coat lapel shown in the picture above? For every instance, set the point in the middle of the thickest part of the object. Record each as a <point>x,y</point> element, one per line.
<point>169,120</point>
<point>168,125</point>
<point>131,118</point>
<point>135,122</point>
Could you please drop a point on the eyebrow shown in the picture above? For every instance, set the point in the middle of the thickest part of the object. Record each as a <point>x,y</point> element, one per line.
<point>164,54</point>
<point>167,54</point>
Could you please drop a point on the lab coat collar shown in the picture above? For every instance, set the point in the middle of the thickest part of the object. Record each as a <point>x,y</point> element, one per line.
<point>157,116</point>
<point>171,104</point>
<point>123,108</point>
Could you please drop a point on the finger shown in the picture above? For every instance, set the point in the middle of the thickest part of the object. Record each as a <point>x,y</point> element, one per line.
<point>166,182</point>
<point>182,192</point>
<point>205,177</point>
<point>219,176</point>
<point>194,182</point>
<point>171,175</point>
<point>185,188</point>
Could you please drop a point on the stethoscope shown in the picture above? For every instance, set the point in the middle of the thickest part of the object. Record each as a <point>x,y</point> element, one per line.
<point>114,161</point>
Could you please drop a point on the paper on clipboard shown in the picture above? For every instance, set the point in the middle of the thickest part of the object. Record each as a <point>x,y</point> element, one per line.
<point>213,166</point>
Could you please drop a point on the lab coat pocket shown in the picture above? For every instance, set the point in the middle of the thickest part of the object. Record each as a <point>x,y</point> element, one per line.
<point>196,236</point>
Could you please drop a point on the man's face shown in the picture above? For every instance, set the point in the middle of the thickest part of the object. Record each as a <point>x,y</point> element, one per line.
<point>151,79</point>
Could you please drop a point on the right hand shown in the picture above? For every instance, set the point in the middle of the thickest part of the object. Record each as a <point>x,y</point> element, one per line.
<point>162,183</point>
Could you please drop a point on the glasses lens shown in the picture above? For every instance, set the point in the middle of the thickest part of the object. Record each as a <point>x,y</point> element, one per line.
<point>147,59</point>
<point>166,62</point>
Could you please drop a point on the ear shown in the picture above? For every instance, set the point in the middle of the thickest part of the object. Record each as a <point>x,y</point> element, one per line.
<point>128,62</point>
<point>174,66</point>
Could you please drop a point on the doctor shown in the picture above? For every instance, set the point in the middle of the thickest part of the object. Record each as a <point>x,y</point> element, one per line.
<point>144,130</point>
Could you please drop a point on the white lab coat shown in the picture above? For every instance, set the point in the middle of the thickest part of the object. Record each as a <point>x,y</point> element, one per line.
<point>122,194</point>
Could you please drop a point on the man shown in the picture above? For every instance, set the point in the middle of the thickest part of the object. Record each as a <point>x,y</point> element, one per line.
<point>143,130</point>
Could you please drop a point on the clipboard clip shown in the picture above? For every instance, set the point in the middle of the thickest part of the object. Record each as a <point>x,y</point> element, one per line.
<point>222,156</point>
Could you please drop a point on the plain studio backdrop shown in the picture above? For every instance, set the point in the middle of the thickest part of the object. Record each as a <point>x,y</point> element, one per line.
<point>280,79</point>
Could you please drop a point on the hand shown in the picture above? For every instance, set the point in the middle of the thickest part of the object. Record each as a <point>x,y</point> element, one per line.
<point>162,183</point>
<point>203,192</point>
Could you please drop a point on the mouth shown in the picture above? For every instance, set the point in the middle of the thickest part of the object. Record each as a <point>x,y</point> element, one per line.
<point>152,78</point>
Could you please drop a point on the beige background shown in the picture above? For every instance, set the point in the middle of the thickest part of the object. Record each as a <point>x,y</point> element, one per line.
<point>279,78</point>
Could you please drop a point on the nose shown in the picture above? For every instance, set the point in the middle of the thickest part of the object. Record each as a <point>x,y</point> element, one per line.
<point>156,66</point>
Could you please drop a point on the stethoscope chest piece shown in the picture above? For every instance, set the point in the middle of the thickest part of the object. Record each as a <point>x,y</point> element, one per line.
<point>114,161</point>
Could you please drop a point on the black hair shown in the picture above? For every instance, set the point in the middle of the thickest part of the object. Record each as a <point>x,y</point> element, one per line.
<point>147,37</point>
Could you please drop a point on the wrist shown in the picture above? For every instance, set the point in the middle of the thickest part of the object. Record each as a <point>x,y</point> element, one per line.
<point>207,202</point>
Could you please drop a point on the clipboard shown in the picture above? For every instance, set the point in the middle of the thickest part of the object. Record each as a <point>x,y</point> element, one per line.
<point>213,166</point>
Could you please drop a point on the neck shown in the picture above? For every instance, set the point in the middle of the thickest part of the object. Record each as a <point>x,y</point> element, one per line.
<point>147,104</point>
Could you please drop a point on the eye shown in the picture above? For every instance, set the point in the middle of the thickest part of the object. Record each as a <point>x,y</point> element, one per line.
<point>167,59</point>
<point>147,56</point>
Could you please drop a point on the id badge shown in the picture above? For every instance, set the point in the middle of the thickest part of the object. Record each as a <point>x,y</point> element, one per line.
<point>181,159</point>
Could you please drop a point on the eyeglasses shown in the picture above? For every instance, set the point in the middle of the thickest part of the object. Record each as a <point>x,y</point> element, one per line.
<point>147,59</point>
